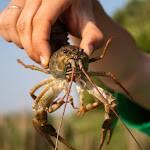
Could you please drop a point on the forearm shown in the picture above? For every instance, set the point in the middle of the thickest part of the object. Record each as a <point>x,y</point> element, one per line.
<point>122,59</point>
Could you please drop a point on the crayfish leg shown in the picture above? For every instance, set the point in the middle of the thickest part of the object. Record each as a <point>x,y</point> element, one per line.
<point>42,94</point>
<point>110,117</point>
<point>110,75</point>
<point>32,67</point>
<point>57,105</point>
<point>46,81</point>
<point>87,107</point>
<point>81,85</point>
<point>104,51</point>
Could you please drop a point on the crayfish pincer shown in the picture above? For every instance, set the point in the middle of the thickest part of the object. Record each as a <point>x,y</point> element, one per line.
<point>70,64</point>
<point>42,126</point>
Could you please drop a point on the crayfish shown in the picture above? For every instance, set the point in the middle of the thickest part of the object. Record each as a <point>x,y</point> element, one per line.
<point>70,64</point>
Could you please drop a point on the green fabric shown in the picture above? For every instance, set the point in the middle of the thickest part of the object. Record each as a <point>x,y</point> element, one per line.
<point>133,114</point>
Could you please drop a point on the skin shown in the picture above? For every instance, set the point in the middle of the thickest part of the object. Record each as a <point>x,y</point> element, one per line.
<point>89,28</point>
<point>25,27</point>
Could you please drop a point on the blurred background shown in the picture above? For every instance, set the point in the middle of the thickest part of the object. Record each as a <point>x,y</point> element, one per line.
<point>16,130</point>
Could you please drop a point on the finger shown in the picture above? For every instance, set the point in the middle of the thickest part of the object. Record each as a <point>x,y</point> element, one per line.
<point>10,19</point>
<point>2,30</point>
<point>9,25</point>
<point>24,27</point>
<point>92,38</point>
<point>43,20</point>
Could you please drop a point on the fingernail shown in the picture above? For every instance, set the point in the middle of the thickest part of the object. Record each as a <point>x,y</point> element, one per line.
<point>44,61</point>
<point>91,48</point>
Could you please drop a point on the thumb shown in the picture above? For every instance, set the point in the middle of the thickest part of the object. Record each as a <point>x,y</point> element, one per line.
<point>92,38</point>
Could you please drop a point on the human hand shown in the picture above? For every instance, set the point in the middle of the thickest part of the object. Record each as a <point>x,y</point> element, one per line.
<point>29,27</point>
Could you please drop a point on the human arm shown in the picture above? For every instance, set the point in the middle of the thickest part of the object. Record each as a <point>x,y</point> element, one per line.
<point>123,59</point>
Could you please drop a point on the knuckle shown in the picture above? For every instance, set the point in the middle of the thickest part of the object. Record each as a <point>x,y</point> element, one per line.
<point>6,24</point>
<point>21,26</point>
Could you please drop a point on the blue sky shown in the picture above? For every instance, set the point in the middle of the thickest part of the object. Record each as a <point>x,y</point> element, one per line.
<point>17,81</point>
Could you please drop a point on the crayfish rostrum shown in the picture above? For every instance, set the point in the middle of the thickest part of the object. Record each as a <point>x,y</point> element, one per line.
<point>68,64</point>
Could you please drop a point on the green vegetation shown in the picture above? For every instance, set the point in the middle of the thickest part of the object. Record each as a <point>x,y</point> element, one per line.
<point>135,18</point>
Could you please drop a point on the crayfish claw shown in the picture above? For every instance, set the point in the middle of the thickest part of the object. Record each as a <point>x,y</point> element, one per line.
<point>103,138</point>
<point>104,132</point>
<point>50,141</point>
<point>86,108</point>
<point>82,110</point>
<point>66,143</point>
<point>43,127</point>
<point>57,105</point>
<point>109,135</point>
<point>109,122</point>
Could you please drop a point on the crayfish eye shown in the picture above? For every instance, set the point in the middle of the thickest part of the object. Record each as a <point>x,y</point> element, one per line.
<point>65,51</point>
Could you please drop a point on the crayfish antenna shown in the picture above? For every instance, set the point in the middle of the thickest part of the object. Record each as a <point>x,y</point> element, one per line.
<point>72,76</point>
<point>110,107</point>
